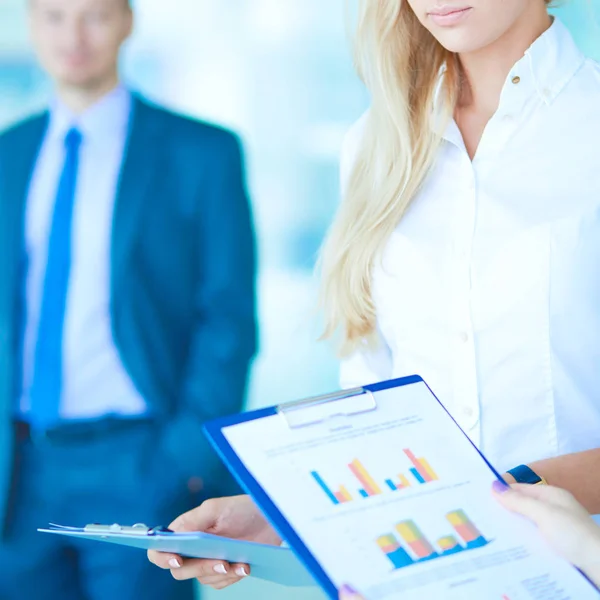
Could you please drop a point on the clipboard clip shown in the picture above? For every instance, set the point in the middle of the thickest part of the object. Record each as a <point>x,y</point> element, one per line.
<point>318,409</point>
<point>115,529</point>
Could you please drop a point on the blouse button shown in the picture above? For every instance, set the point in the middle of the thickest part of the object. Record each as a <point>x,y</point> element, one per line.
<point>516,79</point>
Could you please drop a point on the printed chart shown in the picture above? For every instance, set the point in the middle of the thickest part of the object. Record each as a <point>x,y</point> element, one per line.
<point>416,548</point>
<point>377,497</point>
<point>420,473</point>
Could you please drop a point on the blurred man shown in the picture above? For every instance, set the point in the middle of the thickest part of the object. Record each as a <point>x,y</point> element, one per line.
<point>126,313</point>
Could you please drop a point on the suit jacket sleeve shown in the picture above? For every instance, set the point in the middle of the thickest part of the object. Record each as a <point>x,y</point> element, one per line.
<point>224,338</point>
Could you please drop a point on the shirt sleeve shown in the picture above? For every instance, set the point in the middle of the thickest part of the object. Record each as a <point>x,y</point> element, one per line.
<point>368,364</point>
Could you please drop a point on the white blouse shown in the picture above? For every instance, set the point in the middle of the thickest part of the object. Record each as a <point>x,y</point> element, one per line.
<point>490,286</point>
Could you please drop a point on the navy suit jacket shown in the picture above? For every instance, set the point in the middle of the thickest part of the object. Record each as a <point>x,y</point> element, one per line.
<point>182,280</point>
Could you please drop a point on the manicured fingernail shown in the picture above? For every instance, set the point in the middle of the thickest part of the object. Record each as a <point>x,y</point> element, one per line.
<point>348,589</point>
<point>500,487</point>
<point>220,569</point>
<point>241,572</point>
<point>174,563</point>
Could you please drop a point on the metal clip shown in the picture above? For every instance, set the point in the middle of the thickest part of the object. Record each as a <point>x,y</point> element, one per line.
<point>115,528</point>
<point>319,409</point>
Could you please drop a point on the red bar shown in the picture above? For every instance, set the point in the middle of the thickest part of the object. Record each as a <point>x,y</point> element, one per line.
<point>363,481</point>
<point>422,548</point>
<point>467,532</point>
<point>418,466</point>
<point>340,497</point>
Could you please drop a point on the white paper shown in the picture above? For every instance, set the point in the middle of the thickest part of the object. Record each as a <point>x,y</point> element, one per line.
<point>497,555</point>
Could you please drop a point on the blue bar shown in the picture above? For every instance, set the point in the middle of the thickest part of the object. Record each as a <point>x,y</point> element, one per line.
<point>454,550</point>
<point>480,542</point>
<point>400,558</point>
<point>324,487</point>
<point>363,493</point>
<point>417,475</point>
<point>391,485</point>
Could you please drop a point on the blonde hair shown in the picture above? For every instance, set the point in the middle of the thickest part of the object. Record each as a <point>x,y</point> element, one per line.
<point>400,63</point>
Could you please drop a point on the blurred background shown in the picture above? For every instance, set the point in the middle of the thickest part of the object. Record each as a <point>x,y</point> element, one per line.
<point>280,73</point>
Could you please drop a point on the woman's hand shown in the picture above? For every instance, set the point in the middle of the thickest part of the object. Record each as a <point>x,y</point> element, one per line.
<point>235,517</point>
<point>563,522</point>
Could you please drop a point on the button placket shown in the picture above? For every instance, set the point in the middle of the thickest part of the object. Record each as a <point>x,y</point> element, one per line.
<point>465,392</point>
<point>505,122</point>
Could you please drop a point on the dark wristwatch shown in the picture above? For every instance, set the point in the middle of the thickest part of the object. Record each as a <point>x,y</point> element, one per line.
<point>525,474</point>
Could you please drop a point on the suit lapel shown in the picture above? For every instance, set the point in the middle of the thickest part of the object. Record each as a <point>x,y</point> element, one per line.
<point>140,165</point>
<point>17,163</point>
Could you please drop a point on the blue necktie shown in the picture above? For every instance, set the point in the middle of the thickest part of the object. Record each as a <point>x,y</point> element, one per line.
<point>46,386</point>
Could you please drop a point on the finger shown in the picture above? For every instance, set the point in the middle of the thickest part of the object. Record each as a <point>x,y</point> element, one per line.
<point>546,493</point>
<point>235,573</point>
<point>516,501</point>
<point>214,580</point>
<point>241,570</point>
<point>165,560</point>
<point>219,583</point>
<point>500,488</point>
<point>347,592</point>
<point>196,568</point>
<point>201,518</point>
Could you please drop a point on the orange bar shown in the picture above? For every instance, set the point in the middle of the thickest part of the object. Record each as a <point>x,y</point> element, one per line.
<point>422,548</point>
<point>418,465</point>
<point>428,469</point>
<point>404,481</point>
<point>346,495</point>
<point>467,532</point>
<point>363,476</point>
<point>388,543</point>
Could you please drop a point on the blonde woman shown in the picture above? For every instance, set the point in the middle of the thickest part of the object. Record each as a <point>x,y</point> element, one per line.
<point>467,245</point>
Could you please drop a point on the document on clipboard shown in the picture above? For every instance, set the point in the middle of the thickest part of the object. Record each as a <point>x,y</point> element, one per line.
<point>379,488</point>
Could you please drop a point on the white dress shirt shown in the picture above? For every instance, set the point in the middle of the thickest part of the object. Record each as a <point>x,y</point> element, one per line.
<point>95,383</point>
<point>489,288</point>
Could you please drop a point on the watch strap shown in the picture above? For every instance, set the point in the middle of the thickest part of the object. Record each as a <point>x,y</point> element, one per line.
<point>525,474</point>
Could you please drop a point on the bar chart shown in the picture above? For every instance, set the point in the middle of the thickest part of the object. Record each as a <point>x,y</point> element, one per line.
<point>419,473</point>
<point>414,547</point>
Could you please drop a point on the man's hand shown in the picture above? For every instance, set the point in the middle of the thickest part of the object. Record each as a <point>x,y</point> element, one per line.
<point>236,517</point>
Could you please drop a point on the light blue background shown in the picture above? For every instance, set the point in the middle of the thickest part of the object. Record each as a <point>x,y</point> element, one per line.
<point>278,71</point>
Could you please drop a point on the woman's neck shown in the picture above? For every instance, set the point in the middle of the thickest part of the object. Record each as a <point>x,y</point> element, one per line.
<point>486,70</point>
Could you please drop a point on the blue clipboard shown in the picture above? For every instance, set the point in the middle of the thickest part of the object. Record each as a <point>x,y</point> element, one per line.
<point>271,563</point>
<point>357,401</point>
